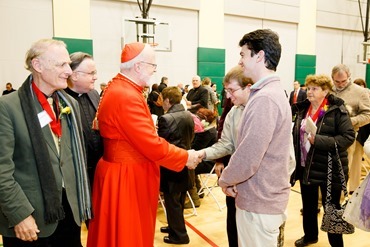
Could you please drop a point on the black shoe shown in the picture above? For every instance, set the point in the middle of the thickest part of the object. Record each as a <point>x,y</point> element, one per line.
<point>165,229</point>
<point>169,240</point>
<point>301,242</point>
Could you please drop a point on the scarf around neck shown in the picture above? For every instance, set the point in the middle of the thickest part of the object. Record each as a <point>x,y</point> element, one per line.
<point>52,203</point>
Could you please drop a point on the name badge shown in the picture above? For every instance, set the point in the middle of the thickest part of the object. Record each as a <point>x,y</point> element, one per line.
<point>44,118</point>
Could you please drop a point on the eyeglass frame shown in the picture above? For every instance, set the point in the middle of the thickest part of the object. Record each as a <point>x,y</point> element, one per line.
<point>232,91</point>
<point>152,64</point>
<point>92,73</point>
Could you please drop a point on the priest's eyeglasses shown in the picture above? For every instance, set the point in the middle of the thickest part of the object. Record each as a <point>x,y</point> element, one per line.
<point>92,73</point>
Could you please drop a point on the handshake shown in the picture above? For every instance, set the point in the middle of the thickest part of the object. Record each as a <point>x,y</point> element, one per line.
<point>194,158</point>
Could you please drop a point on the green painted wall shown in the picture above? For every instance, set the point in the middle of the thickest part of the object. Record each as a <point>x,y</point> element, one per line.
<point>304,65</point>
<point>211,63</point>
<point>73,45</point>
<point>367,76</point>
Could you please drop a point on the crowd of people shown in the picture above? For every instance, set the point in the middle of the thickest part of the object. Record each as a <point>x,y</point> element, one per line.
<point>71,155</point>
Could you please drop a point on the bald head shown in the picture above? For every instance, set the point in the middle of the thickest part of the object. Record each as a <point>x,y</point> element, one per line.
<point>196,81</point>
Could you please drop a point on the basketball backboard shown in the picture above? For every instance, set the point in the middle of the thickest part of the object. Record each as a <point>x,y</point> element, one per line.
<point>366,52</point>
<point>151,31</point>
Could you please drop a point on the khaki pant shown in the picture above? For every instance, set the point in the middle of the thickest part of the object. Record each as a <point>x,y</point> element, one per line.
<point>258,230</point>
<point>355,153</point>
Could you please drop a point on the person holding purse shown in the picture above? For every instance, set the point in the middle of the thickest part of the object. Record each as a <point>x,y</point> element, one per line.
<point>320,123</point>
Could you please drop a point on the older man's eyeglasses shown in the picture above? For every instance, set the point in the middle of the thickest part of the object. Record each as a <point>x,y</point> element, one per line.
<point>152,64</point>
<point>92,73</point>
<point>232,91</point>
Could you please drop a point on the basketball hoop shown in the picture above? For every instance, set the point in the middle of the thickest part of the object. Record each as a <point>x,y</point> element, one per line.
<point>149,31</point>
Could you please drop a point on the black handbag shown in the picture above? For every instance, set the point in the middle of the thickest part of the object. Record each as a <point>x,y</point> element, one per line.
<point>332,221</point>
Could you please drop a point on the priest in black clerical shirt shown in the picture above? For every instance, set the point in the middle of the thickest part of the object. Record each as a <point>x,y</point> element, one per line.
<point>81,87</point>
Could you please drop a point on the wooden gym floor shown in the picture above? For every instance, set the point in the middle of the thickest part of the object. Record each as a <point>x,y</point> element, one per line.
<point>208,227</point>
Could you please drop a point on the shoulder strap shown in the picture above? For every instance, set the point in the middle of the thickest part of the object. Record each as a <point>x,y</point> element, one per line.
<point>330,175</point>
<point>341,173</point>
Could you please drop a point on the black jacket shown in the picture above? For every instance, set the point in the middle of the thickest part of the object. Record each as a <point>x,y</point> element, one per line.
<point>177,127</point>
<point>88,103</point>
<point>302,95</point>
<point>162,86</point>
<point>334,127</point>
<point>198,97</point>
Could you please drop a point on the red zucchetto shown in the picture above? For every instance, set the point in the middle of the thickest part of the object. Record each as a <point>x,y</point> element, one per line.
<point>131,50</point>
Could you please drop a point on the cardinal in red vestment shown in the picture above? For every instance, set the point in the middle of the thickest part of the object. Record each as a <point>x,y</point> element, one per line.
<point>126,183</point>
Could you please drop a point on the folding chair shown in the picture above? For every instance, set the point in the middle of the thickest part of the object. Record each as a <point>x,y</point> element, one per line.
<point>193,206</point>
<point>161,200</point>
<point>205,181</point>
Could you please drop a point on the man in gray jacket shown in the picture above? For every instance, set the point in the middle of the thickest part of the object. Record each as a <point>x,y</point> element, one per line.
<point>44,191</point>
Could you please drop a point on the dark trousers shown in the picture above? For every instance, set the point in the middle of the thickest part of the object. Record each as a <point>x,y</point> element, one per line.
<point>310,194</point>
<point>67,233</point>
<point>175,215</point>
<point>232,233</point>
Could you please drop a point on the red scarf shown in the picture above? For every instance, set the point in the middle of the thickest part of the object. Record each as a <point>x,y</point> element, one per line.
<point>316,115</point>
<point>55,124</point>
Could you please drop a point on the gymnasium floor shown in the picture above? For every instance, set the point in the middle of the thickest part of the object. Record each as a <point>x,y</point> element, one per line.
<point>208,227</point>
